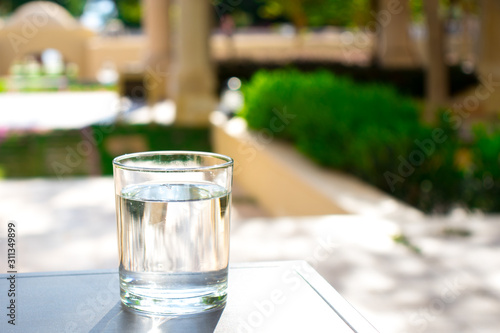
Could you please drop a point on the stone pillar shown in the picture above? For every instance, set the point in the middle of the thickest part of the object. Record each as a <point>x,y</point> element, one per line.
<point>394,47</point>
<point>488,64</point>
<point>7,55</point>
<point>156,27</point>
<point>193,82</point>
<point>437,81</point>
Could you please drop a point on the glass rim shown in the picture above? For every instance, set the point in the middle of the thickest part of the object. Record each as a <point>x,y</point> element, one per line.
<point>227,161</point>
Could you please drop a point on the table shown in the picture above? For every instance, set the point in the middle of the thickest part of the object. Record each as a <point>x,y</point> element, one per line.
<point>288,296</point>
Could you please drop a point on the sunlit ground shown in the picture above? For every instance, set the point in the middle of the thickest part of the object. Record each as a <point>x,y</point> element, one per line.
<point>57,110</point>
<point>65,110</point>
<point>452,286</point>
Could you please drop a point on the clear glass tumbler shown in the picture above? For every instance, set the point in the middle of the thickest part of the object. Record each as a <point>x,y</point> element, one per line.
<point>173,213</point>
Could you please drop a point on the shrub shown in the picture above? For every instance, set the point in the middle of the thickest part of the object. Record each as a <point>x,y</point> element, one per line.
<point>3,85</point>
<point>63,153</point>
<point>155,137</point>
<point>368,130</point>
<point>482,186</point>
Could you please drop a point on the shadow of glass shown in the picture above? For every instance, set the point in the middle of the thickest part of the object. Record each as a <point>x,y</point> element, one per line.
<point>122,319</point>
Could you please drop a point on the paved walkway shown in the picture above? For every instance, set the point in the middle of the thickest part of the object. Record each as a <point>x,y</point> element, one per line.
<point>452,286</point>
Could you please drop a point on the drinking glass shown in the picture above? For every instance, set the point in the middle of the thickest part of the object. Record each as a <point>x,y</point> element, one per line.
<point>173,213</point>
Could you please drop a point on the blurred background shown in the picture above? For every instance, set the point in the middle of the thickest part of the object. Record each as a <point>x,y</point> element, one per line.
<point>367,131</point>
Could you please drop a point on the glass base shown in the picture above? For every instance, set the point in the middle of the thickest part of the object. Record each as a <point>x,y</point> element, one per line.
<point>173,306</point>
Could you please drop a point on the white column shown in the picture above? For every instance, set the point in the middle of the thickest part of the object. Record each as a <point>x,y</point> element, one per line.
<point>394,47</point>
<point>436,82</point>
<point>156,27</point>
<point>488,64</point>
<point>193,84</point>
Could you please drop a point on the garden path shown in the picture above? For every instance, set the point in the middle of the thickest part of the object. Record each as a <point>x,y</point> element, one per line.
<point>453,286</point>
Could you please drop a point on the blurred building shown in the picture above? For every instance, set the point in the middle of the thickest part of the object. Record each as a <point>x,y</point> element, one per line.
<point>38,26</point>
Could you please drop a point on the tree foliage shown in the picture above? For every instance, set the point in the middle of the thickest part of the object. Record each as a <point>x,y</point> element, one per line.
<point>318,12</point>
<point>129,12</point>
<point>75,7</point>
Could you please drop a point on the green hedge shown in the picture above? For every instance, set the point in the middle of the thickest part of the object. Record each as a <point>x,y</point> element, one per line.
<point>481,188</point>
<point>154,137</point>
<point>367,130</point>
<point>36,154</point>
<point>3,85</point>
<point>90,151</point>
